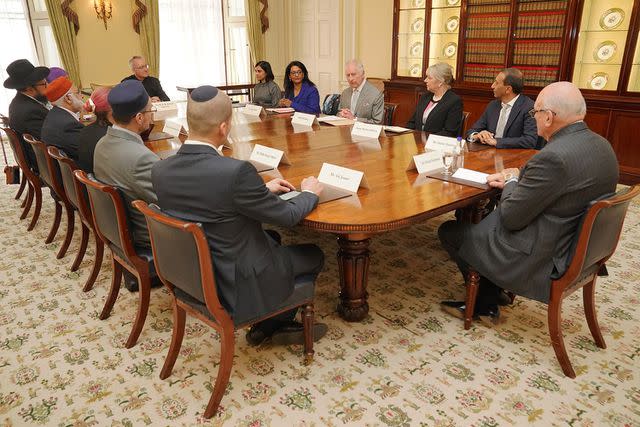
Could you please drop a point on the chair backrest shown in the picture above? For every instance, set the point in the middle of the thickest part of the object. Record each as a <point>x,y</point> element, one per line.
<point>66,167</point>
<point>109,214</point>
<point>41,158</point>
<point>389,113</point>
<point>600,231</point>
<point>463,126</point>
<point>183,259</point>
<point>18,152</point>
<point>331,104</point>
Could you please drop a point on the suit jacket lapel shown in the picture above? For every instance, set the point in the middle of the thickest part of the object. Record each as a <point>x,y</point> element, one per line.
<point>515,111</point>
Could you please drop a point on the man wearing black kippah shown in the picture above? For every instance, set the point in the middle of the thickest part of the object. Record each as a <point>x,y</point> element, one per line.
<point>254,273</point>
<point>122,160</point>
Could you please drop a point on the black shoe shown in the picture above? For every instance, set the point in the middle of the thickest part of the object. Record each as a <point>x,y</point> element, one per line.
<point>155,282</point>
<point>504,298</point>
<point>256,336</point>
<point>457,309</point>
<point>293,333</point>
<point>131,283</point>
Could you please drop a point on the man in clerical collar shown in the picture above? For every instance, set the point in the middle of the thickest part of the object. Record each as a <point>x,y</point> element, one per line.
<point>62,126</point>
<point>152,85</point>
<point>30,106</point>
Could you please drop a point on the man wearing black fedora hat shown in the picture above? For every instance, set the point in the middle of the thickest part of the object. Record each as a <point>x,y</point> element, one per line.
<point>30,106</point>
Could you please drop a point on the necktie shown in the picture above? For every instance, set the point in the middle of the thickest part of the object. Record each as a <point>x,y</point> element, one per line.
<point>354,99</point>
<point>502,120</point>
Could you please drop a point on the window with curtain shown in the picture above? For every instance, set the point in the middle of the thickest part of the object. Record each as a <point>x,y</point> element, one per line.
<point>192,44</point>
<point>32,40</point>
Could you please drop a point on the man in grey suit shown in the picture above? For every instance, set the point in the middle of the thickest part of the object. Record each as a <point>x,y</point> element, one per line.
<point>254,273</point>
<point>122,160</point>
<point>361,100</point>
<point>526,242</point>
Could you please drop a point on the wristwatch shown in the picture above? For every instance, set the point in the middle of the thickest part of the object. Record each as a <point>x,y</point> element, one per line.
<point>509,177</point>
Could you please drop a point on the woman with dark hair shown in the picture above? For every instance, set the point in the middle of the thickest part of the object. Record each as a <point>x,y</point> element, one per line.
<point>90,135</point>
<point>299,92</point>
<point>266,93</point>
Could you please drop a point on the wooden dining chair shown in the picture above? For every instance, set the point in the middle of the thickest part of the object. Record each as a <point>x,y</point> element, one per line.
<point>595,243</point>
<point>464,124</point>
<point>4,123</point>
<point>77,196</point>
<point>34,183</point>
<point>183,262</point>
<point>111,225</point>
<point>389,113</point>
<point>50,175</point>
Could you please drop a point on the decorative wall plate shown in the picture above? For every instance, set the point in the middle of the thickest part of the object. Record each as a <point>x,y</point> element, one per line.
<point>450,50</point>
<point>453,2</point>
<point>452,24</point>
<point>417,26</point>
<point>599,81</point>
<point>611,18</point>
<point>418,3</point>
<point>416,50</point>
<point>415,70</point>
<point>605,51</point>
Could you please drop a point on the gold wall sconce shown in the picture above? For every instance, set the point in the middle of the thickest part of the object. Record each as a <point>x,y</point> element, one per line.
<point>103,10</point>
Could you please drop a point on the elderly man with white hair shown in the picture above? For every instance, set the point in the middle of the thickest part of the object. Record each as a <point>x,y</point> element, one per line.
<point>361,100</point>
<point>152,85</point>
<point>526,242</point>
<point>62,126</point>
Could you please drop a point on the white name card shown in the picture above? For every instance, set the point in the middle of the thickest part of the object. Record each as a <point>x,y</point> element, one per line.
<point>426,162</point>
<point>165,109</point>
<point>303,119</point>
<point>251,110</point>
<point>172,128</point>
<point>346,179</point>
<point>366,130</point>
<point>268,156</point>
<point>471,175</point>
<point>441,143</point>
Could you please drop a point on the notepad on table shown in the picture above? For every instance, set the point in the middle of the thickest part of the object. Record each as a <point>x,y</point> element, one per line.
<point>471,175</point>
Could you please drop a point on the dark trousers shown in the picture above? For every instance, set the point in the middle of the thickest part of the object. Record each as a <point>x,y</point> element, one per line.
<point>452,235</point>
<point>307,260</point>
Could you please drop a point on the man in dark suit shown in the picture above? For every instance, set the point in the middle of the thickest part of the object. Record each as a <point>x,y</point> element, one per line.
<point>526,242</point>
<point>505,122</point>
<point>152,85</point>
<point>62,126</point>
<point>30,106</point>
<point>254,273</point>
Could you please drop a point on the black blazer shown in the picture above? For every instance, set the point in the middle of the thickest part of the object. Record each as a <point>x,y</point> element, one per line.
<point>520,131</point>
<point>445,118</point>
<point>26,115</point>
<point>152,86</point>
<point>87,141</point>
<point>253,273</point>
<point>61,129</point>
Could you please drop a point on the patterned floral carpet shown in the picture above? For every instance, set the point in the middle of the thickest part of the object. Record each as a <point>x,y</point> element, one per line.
<point>408,364</point>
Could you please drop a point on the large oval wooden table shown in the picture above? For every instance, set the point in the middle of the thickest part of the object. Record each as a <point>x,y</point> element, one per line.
<point>396,198</point>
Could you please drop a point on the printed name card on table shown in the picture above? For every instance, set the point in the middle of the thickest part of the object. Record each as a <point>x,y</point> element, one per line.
<point>426,162</point>
<point>365,130</point>
<point>303,119</point>
<point>441,143</point>
<point>268,156</point>
<point>344,178</point>
<point>164,110</point>
<point>173,128</point>
<point>251,110</point>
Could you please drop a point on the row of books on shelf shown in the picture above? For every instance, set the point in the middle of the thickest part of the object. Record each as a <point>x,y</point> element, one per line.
<point>539,76</point>
<point>540,53</point>
<point>476,2</point>
<point>530,6</point>
<point>487,27</point>
<point>481,73</point>
<point>489,8</point>
<point>484,52</point>
<point>540,26</point>
<point>533,76</point>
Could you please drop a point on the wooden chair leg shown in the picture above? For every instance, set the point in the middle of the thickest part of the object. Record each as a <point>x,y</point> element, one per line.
<point>97,264</point>
<point>144,295</point>
<point>68,235</point>
<point>555,332</point>
<point>23,182</point>
<point>55,224</point>
<point>307,321</point>
<point>589,298</point>
<point>26,204</point>
<point>179,317</point>
<point>37,191</point>
<point>84,240</point>
<point>473,281</point>
<point>115,289</point>
<point>227,348</point>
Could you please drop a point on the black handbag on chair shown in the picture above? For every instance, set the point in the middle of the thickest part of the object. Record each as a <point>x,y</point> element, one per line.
<point>11,173</point>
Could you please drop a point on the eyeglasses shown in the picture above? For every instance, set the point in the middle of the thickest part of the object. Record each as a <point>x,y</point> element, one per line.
<point>533,112</point>
<point>142,67</point>
<point>295,73</point>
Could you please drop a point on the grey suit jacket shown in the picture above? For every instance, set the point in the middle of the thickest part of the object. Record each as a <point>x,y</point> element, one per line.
<point>526,241</point>
<point>370,106</point>
<point>122,160</point>
<point>62,130</point>
<point>253,273</point>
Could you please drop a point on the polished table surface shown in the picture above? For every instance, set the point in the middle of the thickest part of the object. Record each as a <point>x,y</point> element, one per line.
<point>395,198</point>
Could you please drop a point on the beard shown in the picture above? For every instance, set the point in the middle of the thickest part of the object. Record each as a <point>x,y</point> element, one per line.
<point>42,98</point>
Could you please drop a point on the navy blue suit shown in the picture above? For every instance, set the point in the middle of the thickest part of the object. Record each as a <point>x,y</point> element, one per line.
<point>307,101</point>
<point>520,130</point>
